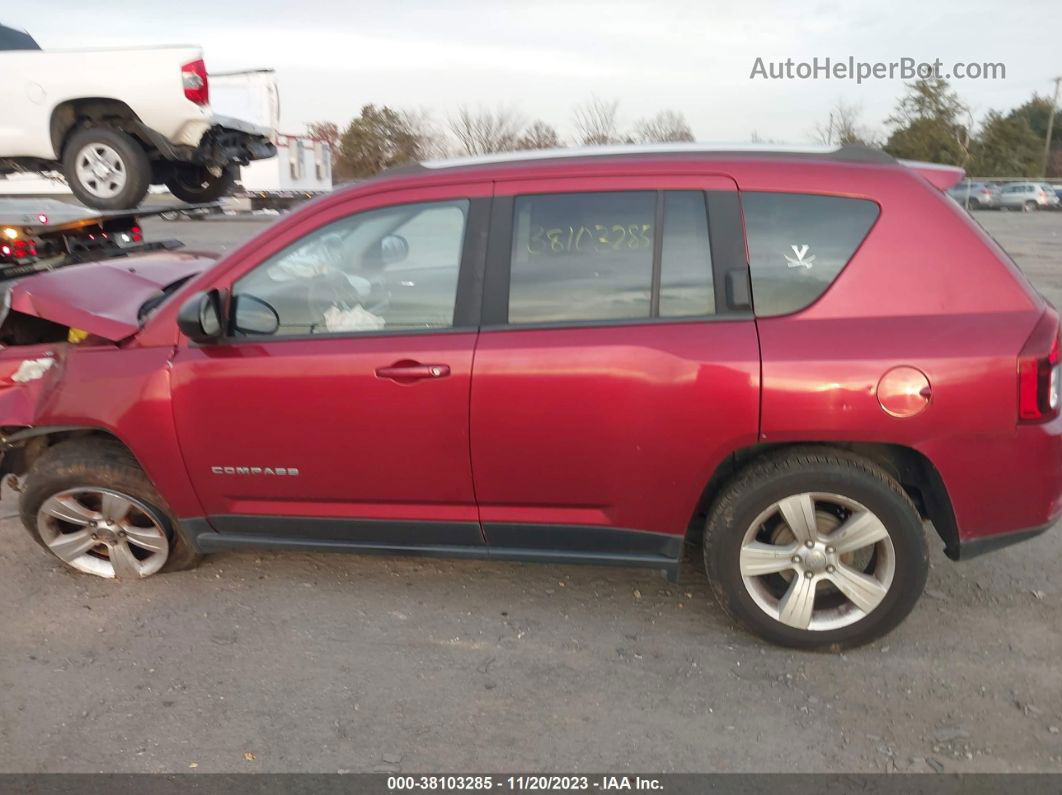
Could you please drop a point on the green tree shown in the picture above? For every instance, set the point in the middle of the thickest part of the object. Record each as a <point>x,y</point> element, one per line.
<point>928,124</point>
<point>1035,113</point>
<point>1005,147</point>
<point>377,139</point>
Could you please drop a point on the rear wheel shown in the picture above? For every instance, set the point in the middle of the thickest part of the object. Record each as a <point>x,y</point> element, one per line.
<point>106,168</point>
<point>816,549</point>
<point>1029,206</point>
<point>195,184</point>
<point>88,503</point>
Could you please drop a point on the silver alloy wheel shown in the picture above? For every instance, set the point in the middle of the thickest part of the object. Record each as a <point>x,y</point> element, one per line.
<point>817,561</point>
<point>101,170</point>
<point>103,532</point>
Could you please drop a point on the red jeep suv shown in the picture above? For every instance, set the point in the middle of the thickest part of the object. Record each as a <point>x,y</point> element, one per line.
<point>583,356</point>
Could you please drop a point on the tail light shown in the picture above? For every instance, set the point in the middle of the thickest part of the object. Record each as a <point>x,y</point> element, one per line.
<point>194,80</point>
<point>137,234</point>
<point>1040,371</point>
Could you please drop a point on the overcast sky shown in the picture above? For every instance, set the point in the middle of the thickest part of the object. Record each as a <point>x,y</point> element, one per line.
<point>541,58</point>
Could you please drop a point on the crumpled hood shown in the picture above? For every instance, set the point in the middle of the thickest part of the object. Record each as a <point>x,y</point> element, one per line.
<point>103,298</point>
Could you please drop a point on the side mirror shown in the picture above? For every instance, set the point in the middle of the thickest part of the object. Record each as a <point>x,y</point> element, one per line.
<point>251,315</point>
<point>200,319</point>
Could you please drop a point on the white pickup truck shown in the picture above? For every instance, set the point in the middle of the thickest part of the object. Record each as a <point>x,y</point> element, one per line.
<point>116,121</point>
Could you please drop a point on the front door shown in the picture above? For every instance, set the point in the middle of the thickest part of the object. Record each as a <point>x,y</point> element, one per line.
<point>348,422</point>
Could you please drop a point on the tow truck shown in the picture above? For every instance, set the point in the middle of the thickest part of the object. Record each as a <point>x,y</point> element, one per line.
<point>45,234</point>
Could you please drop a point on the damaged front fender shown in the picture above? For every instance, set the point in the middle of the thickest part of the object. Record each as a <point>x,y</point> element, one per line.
<point>28,374</point>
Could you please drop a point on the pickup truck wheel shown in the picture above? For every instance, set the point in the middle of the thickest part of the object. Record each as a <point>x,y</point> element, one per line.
<point>816,549</point>
<point>106,168</point>
<point>194,184</point>
<point>89,503</point>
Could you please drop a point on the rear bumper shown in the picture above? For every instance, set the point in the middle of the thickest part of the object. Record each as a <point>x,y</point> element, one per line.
<point>222,145</point>
<point>1003,489</point>
<point>212,144</point>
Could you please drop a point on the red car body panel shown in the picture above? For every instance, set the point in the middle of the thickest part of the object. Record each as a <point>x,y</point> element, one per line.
<point>388,450</point>
<point>620,427</point>
<point>615,426</point>
<point>125,392</point>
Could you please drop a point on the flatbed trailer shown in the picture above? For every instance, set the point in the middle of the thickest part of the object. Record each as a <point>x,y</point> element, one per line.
<point>43,234</point>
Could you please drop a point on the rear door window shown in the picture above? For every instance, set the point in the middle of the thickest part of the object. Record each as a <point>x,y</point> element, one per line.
<point>799,243</point>
<point>590,257</point>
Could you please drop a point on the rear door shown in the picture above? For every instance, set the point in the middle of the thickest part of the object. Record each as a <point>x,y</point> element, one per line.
<point>613,371</point>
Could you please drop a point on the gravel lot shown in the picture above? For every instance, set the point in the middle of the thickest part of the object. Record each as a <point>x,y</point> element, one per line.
<point>313,662</point>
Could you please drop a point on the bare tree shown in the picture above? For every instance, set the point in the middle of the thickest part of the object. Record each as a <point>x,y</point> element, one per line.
<point>595,121</point>
<point>843,126</point>
<point>432,142</point>
<point>539,135</point>
<point>482,131</point>
<point>327,131</point>
<point>668,126</point>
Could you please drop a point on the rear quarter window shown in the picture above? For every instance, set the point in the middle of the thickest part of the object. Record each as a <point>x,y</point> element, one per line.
<point>799,243</point>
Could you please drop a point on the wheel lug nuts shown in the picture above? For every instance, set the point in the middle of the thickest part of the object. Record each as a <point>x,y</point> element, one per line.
<point>121,533</point>
<point>796,558</point>
<point>809,544</point>
<point>95,537</point>
<point>830,550</point>
<point>808,574</point>
<point>830,569</point>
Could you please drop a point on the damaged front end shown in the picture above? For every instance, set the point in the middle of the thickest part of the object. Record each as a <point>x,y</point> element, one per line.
<point>48,317</point>
<point>28,374</point>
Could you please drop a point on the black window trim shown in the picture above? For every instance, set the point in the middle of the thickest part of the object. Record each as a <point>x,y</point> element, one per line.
<point>467,301</point>
<point>726,240</point>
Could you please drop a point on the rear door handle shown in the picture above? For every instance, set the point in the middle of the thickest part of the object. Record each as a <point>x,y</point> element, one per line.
<point>413,371</point>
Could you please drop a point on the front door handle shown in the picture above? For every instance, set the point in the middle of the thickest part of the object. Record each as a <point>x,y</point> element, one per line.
<point>407,371</point>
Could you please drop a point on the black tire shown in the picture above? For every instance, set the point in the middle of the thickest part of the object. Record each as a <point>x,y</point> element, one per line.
<point>824,470</point>
<point>1030,206</point>
<point>134,161</point>
<point>195,185</point>
<point>102,463</point>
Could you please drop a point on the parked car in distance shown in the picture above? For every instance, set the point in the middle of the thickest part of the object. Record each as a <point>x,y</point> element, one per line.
<point>1025,196</point>
<point>975,195</point>
<point>581,356</point>
<point>77,111</point>
<point>1053,200</point>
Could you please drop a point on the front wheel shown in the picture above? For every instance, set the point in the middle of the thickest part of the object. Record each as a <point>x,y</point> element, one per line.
<point>816,549</point>
<point>89,503</point>
<point>195,184</point>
